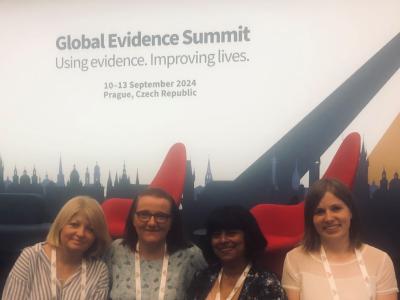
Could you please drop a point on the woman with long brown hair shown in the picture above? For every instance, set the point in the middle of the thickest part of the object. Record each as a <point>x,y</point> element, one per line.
<point>332,262</point>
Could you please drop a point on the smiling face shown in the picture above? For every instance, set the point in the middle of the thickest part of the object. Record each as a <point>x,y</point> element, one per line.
<point>332,219</point>
<point>77,236</point>
<point>152,220</point>
<point>229,245</point>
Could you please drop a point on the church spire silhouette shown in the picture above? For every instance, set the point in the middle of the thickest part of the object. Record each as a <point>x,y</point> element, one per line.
<point>96,174</point>
<point>87,177</point>
<point>137,177</point>
<point>60,175</point>
<point>208,177</point>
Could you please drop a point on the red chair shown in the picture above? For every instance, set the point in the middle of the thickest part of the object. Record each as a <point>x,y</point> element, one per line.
<point>345,162</point>
<point>282,225</point>
<point>171,175</point>
<point>116,211</point>
<point>283,228</point>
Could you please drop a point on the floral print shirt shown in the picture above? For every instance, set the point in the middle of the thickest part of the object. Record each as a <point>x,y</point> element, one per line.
<point>181,267</point>
<point>258,285</point>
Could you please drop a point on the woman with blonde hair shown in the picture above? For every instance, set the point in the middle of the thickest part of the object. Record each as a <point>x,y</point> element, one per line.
<point>67,265</point>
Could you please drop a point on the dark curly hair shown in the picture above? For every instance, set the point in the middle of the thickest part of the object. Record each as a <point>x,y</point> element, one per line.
<point>175,238</point>
<point>235,217</point>
<point>311,239</point>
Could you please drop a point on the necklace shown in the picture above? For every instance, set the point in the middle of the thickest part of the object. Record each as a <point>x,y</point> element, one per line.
<point>164,271</point>
<point>238,284</point>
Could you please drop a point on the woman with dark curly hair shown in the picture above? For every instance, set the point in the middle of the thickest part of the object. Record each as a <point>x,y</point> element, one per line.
<point>234,247</point>
<point>332,262</point>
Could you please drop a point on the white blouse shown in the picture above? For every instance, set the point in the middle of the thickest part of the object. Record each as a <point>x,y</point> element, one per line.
<point>304,272</point>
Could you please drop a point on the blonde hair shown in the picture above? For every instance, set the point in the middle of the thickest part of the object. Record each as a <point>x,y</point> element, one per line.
<point>94,213</point>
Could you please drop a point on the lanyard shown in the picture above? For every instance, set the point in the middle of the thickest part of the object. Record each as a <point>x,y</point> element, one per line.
<point>53,276</point>
<point>331,280</point>
<point>238,284</point>
<point>163,281</point>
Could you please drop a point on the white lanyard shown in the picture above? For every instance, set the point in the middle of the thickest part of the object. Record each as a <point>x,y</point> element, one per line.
<point>331,280</point>
<point>238,284</point>
<point>164,270</point>
<point>53,276</point>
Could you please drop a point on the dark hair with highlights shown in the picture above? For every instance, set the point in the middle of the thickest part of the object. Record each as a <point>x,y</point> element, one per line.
<point>311,239</point>
<point>235,217</point>
<point>175,238</point>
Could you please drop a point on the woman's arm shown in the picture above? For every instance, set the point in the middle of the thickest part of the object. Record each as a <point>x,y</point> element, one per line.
<point>386,280</point>
<point>290,280</point>
<point>387,297</point>
<point>16,287</point>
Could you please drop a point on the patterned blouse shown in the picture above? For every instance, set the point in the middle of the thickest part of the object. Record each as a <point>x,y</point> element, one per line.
<point>258,285</point>
<point>181,267</point>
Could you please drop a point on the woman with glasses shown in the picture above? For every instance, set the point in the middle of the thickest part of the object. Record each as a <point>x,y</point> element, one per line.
<point>235,245</point>
<point>153,260</point>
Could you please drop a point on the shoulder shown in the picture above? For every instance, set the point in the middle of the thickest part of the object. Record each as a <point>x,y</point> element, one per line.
<point>191,252</point>
<point>188,260</point>
<point>211,272</point>
<point>371,254</point>
<point>29,254</point>
<point>116,252</point>
<point>296,262</point>
<point>371,250</point>
<point>375,258</point>
<point>97,264</point>
<point>184,257</point>
<point>297,255</point>
<point>380,265</point>
<point>34,249</point>
<point>269,278</point>
<point>194,251</point>
<point>26,262</point>
<point>264,284</point>
<point>298,251</point>
<point>202,281</point>
<point>118,246</point>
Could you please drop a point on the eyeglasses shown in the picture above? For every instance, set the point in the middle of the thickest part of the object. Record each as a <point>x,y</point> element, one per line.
<point>145,216</point>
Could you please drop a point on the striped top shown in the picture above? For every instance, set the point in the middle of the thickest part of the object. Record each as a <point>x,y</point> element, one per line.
<point>30,279</point>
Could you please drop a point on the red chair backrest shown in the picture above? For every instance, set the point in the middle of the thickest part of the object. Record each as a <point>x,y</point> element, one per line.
<point>116,212</point>
<point>283,228</point>
<point>282,225</point>
<point>345,162</point>
<point>171,175</point>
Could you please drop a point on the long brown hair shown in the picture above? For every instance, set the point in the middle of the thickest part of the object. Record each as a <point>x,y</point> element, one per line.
<point>311,239</point>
